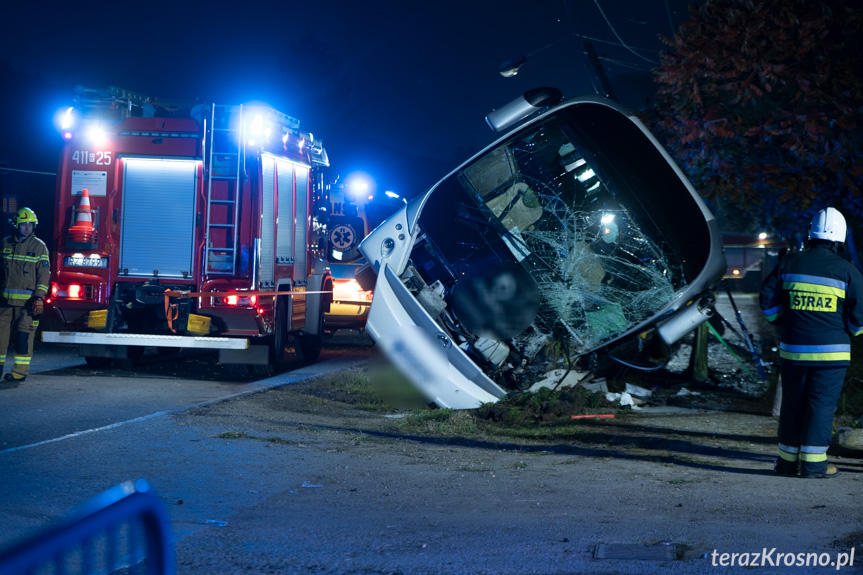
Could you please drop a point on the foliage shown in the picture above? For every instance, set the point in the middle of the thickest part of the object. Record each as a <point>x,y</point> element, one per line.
<point>543,406</point>
<point>760,104</point>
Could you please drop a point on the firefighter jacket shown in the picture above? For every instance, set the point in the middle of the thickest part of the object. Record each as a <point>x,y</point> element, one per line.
<point>26,270</point>
<point>816,297</point>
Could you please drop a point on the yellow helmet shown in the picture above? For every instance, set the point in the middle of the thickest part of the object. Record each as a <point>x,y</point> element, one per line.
<point>23,216</point>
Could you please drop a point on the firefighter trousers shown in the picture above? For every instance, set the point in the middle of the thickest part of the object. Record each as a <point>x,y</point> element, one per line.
<point>809,398</point>
<point>18,325</point>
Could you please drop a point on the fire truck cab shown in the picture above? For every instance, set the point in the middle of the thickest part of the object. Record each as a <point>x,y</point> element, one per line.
<point>188,226</point>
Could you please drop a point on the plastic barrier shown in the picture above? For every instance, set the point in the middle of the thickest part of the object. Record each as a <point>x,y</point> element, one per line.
<point>125,527</point>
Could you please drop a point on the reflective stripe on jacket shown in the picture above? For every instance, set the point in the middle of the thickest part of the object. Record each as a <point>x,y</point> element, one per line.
<point>817,298</point>
<point>26,270</point>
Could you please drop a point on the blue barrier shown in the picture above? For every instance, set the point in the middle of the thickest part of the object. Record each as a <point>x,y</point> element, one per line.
<point>124,527</point>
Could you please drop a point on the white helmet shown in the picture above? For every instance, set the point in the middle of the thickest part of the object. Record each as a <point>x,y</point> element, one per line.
<point>828,224</point>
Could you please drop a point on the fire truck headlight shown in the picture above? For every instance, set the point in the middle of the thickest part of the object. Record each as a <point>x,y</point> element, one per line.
<point>66,120</point>
<point>97,136</point>
<point>257,127</point>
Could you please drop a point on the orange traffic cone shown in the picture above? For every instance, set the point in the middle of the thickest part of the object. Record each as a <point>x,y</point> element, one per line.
<point>82,231</point>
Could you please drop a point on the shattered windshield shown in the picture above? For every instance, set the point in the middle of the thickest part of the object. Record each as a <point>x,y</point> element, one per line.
<point>583,203</point>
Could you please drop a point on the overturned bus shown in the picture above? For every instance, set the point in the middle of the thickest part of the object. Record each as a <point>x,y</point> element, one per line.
<point>571,244</point>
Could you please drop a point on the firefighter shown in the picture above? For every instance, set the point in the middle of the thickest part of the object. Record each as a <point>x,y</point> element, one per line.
<point>816,297</point>
<point>25,280</point>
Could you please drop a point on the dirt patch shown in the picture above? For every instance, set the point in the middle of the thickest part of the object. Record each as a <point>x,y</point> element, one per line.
<point>702,423</point>
<point>382,489</point>
<point>709,424</point>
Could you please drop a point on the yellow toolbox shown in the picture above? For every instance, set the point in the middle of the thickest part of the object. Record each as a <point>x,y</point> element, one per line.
<point>97,319</point>
<point>198,324</point>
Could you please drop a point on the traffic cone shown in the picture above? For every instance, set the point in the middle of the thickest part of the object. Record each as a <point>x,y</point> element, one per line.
<point>82,231</point>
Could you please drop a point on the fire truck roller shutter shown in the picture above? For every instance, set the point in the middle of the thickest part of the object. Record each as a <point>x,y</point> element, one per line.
<point>268,190</point>
<point>285,229</point>
<point>158,225</point>
<point>302,223</point>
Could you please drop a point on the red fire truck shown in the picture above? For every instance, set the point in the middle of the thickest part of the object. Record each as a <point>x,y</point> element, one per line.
<point>188,226</point>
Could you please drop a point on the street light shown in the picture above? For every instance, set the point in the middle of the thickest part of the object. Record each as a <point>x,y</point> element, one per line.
<point>510,68</point>
<point>598,79</point>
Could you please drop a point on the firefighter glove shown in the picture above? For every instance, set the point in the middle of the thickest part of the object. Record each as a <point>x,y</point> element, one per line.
<point>36,306</point>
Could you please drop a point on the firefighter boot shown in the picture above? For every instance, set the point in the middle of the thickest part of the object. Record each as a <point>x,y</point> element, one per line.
<point>10,382</point>
<point>785,468</point>
<point>23,352</point>
<point>828,472</point>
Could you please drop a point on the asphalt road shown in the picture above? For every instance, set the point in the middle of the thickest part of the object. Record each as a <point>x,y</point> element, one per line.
<point>66,421</point>
<point>64,397</point>
<point>306,487</point>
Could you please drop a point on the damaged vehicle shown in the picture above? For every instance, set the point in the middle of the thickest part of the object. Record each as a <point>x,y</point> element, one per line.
<point>570,245</point>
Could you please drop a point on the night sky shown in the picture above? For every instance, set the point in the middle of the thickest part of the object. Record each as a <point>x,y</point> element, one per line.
<point>396,89</point>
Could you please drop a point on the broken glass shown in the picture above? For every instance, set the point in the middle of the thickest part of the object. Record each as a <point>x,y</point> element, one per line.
<point>593,215</point>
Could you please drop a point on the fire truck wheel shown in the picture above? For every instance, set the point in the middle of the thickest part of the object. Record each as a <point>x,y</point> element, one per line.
<point>134,355</point>
<point>98,362</point>
<point>168,351</point>
<point>309,345</point>
<point>238,368</point>
<point>278,356</point>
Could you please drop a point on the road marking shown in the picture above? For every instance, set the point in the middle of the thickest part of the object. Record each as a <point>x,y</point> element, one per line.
<point>297,376</point>
<point>95,429</point>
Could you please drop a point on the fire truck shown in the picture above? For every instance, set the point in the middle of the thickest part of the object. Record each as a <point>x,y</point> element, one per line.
<point>188,226</point>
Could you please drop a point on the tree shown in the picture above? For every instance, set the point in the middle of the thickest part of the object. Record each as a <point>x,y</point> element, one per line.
<point>760,103</point>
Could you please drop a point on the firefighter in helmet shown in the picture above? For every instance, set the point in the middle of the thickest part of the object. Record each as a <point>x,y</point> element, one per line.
<point>25,280</point>
<point>816,297</point>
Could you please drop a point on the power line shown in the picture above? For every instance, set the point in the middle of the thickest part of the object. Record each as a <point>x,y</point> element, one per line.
<point>601,41</point>
<point>640,67</point>
<point>27,171</point>
<point>616,35</point>
<point>670,21</point>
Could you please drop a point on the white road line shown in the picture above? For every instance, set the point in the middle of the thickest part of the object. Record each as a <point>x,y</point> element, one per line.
<point>95,429</point>
<point>257,386</point>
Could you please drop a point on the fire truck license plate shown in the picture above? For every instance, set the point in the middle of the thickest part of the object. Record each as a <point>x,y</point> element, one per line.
<point>86,262</point>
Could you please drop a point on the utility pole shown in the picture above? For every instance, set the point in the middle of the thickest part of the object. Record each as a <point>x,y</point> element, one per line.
<point>3,172</point>
<point>601,84</point>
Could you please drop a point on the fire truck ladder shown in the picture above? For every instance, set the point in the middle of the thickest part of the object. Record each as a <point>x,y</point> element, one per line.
<point>224,163</point>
